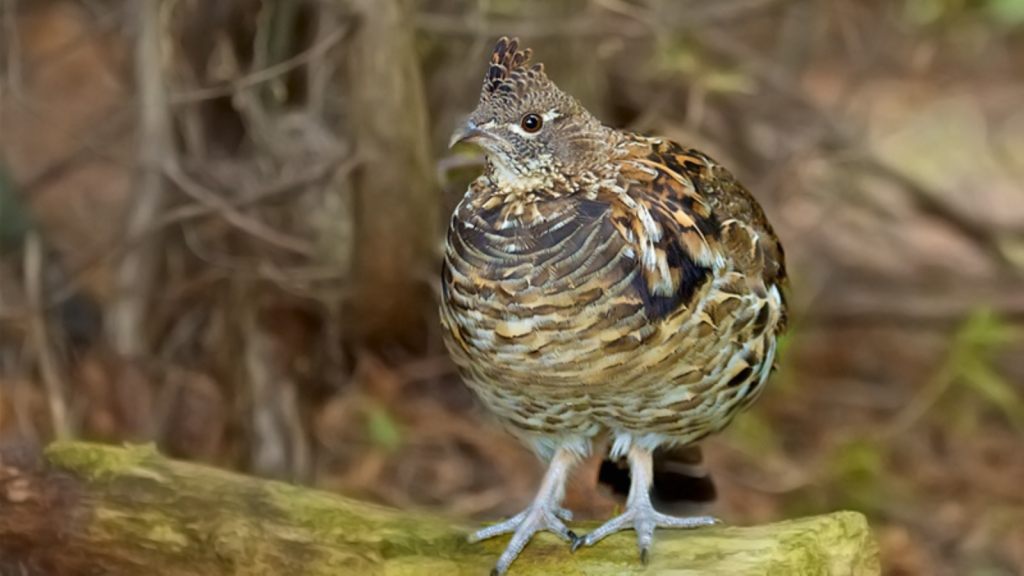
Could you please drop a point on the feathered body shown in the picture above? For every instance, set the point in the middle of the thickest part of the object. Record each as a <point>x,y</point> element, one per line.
<point>599,283</point>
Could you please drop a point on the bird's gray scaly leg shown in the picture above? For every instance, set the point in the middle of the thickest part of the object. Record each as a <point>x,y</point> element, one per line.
<point>545,513</point>
<point>640,515</point>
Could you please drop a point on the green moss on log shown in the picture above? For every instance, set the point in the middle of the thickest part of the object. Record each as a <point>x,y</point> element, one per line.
<point>89,508</point>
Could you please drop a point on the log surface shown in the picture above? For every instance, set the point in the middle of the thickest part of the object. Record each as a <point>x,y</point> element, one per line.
<point>92,509</point>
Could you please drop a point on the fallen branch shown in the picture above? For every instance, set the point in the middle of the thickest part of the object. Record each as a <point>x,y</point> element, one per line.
<point>93,509</point>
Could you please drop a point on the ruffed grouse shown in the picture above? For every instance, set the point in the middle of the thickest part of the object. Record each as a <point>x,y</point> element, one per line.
<point>602,286</point>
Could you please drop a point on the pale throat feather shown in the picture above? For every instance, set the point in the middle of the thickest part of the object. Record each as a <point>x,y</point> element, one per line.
<point>521,180</point>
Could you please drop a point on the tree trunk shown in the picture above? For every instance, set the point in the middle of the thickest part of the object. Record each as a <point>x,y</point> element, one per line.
<point>397,197</point>
<point>93,509</point>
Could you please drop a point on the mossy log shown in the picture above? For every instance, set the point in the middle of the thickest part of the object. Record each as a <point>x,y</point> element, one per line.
<point>91,509</point>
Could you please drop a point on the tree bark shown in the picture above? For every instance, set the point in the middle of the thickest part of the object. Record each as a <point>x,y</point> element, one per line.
<point>92,509</point>
<point>396,194</point>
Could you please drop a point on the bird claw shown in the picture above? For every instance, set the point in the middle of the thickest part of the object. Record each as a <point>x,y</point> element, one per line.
<point>524,525</point>
<point>642,518</point>
<point>564,514</point>
<point>553,522</point>
<point>576,542</point>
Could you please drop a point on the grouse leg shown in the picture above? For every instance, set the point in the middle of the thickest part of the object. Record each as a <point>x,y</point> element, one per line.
<point>640,515</point>
<point>545,513</point>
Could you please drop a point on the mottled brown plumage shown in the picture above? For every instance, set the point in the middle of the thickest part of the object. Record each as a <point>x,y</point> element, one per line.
<point>600,284</point>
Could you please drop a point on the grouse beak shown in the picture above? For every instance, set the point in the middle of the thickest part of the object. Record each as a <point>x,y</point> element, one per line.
<point>469,132</point>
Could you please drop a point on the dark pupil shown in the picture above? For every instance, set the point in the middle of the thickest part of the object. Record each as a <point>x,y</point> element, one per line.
<point>531,122</point>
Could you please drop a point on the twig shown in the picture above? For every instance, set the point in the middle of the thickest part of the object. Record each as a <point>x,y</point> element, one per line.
<point>280,447</point>
<point>181,215</point>
<point>265,75</point>
<point>292,280</point>
<point>590,26</point>
<point>929,203</point>
<point>631,11</point>
<point>233,216</point>
<point>48,369</point>
<point>922,402</point>
<point>575,28</point>
<point>136,273</point>
<point>311,176</point>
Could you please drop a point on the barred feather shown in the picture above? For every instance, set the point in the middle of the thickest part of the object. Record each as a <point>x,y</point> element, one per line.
<point>598,283</point>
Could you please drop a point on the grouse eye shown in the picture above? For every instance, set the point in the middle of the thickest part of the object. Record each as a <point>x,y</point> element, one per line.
<point>531,122</point>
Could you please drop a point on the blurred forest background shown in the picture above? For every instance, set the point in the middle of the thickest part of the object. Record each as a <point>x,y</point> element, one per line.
<point>221,226</point>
